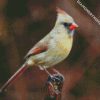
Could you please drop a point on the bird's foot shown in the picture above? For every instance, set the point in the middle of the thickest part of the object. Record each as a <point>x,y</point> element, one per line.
<point>57,72</point>
<point>55,83</point>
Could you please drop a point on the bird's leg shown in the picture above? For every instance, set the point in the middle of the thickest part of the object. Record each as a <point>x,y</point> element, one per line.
<point>44,67</point>
<point>40,67</point>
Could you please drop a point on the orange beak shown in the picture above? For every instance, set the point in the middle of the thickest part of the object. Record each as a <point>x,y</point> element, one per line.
<point>73,26</point>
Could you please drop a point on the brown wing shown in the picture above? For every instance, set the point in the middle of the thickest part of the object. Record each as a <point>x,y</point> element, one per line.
<point>36,50</point>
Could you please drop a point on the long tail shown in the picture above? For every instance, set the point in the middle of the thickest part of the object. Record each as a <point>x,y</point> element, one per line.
<point>14,77</point>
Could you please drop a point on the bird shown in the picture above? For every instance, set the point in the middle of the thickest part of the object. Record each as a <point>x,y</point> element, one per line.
<point>50,50</point>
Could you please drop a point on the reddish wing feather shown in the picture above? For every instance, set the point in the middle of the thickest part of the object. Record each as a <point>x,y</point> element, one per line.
<point>37,51</point>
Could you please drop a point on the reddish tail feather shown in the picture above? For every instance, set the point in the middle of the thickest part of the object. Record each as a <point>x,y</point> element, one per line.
<point>14,77</point>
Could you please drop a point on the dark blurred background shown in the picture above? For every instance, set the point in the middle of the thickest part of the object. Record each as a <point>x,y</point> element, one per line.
<point>23,23</point>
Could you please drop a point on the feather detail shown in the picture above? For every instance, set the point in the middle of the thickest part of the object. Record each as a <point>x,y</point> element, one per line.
<point>36,51</point>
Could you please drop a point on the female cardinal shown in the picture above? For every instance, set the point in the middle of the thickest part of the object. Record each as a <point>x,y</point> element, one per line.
<point>52,49</point>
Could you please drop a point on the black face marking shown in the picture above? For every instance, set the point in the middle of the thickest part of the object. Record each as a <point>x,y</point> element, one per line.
<point>67,24</point>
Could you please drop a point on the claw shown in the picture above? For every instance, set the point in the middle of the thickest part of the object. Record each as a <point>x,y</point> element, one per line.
<point>56,71</point>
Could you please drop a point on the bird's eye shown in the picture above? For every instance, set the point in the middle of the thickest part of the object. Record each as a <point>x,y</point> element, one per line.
<point>70,26</point>
<point>67,24</point>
